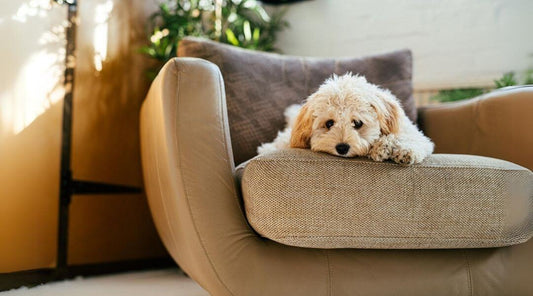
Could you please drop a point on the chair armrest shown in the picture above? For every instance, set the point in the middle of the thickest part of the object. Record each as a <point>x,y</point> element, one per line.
<point>497,124</point>
<point>188,168</point>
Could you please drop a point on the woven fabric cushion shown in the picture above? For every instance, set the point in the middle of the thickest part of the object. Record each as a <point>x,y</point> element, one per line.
<point>259,86</point>
<point>306,199</point>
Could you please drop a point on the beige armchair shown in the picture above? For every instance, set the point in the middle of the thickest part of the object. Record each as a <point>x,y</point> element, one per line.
<point>196,204</point>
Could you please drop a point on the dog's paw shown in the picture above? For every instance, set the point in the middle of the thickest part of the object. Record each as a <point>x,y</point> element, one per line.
<point>403,156</point>
<point>382,149</point>
<point>381,153</point>
<point>406,156</point>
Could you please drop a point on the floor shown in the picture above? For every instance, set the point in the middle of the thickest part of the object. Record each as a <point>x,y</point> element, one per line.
<point>165,282</point>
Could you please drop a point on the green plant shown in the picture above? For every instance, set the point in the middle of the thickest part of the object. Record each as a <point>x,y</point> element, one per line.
<point>508,79</point>
<point>450,95</point>
<point>242,23</point>
<point>248,25</point>
<point>528,77</point>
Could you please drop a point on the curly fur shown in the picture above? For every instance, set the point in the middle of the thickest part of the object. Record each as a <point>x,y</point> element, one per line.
<point>386,132</point>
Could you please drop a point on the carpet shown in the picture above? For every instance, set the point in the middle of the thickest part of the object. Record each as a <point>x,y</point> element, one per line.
<point>164,282</point>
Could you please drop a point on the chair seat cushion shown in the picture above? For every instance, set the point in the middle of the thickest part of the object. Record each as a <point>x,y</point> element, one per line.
<point>306,199</point>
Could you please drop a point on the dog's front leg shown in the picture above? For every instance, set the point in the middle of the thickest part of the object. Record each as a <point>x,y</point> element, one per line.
<point>402,149</point>
<point>411,148</point>
<point>383,148</point>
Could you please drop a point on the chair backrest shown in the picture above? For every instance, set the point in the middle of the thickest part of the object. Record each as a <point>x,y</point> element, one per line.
<point>259,86</point>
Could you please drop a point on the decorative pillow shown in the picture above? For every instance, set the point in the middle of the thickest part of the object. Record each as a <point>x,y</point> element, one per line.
<point>259,86</point>
<point>301,198</point>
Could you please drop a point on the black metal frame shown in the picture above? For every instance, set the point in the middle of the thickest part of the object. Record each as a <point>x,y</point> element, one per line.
<point>68,185</point>
<point>65,193</point>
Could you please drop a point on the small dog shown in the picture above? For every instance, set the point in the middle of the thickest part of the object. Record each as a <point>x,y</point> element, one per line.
<point>348,116</point>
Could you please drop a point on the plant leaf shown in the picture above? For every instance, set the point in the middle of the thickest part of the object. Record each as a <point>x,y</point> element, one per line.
<point>257,34</point>
<point>247,31</point>
<point>231,37</point>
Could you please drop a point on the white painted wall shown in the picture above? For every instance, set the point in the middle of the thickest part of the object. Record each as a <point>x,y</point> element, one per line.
<point>454,42</point>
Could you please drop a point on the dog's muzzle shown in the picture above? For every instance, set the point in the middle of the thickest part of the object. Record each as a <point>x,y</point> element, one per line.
<point>342,148</point>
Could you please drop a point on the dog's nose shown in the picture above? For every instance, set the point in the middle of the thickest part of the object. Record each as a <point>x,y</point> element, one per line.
<point>342,148</point>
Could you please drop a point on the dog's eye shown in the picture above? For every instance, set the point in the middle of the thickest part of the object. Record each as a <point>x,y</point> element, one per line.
<point>357,124</point>
<point>329,123</point>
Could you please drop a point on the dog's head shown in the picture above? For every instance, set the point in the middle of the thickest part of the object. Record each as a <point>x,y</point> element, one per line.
<point>345,116</point>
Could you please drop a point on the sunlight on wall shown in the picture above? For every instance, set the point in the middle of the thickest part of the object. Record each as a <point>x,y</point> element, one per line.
<point>32,8</point>
<point>33,67</point>
<point>100,36</point>
<point>37,69</point>
<point>36,89</point>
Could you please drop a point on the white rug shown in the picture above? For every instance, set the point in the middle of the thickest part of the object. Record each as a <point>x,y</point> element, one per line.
<point>165,282</point>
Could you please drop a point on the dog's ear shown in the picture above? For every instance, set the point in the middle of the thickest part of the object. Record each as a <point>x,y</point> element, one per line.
<point>389,113</point>
<point>301,131</point>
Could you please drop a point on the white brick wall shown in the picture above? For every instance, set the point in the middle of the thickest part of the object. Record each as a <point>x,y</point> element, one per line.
<point>455,42</point>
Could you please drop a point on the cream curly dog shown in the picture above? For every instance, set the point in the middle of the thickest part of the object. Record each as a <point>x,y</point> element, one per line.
<point>348,116</point>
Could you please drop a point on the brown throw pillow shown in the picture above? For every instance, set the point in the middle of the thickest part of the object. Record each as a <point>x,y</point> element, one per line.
<point>259,86</point>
